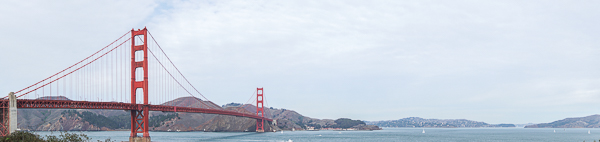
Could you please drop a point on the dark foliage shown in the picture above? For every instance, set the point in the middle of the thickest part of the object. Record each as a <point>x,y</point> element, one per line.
<point>157,120</point>
<point>232,104</point>
<point>346,123</point>
<point>115,122</point>
<point>99,120</point>
<point>20,136</point>
<point>68,137</point>
<point>317,126</point>
<point>23,136</point>
<point>302,125</point>
<point>124,120</point>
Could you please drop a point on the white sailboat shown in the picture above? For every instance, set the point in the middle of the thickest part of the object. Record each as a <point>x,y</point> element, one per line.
<point>554,131</point>
<point>588,131</point>
<point>423,131</point>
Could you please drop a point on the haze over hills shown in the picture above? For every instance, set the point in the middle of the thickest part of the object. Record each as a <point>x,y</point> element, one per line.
<point>96,120</point>
<point>523,125</point>
<point>592,121</point>
<point>440,123</point>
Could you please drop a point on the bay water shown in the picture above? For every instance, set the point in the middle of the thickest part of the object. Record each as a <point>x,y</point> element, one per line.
<point>387,134</point>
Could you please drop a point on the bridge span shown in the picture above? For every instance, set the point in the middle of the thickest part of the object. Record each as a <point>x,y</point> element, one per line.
<point>124,75</point>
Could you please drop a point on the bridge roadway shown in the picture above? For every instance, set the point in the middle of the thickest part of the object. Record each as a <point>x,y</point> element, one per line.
<point>67,104</point>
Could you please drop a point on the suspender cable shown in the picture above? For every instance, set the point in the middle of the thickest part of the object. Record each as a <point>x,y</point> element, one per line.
<point>158,45</point>
<point>71,65</point>
<point>71,71</point>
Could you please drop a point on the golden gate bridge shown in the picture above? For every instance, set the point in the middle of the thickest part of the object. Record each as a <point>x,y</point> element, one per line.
<point>123,75</point>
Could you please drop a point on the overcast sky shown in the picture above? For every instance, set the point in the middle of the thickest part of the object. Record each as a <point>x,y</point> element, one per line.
<point>492,61</point>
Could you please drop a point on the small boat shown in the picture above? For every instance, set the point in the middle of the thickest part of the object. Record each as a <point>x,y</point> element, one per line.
<point>290,140</point>
<point>423,131</point>
<point>588,131</point>
<point>554,131</point>
<point>282,131</point>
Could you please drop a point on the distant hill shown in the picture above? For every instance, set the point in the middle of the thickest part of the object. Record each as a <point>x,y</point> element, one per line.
<point>592,121</point>
<point>441,123</point>
<point>102,120</point>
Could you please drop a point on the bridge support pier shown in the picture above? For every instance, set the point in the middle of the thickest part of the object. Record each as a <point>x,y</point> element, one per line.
<point>8,115</point>
<point>12,116</point>
<point>139,139</point>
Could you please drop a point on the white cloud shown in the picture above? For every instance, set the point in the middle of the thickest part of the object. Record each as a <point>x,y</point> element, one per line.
<point>345,58</point>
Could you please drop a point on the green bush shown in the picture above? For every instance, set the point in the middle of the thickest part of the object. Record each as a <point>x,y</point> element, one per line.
<point>346,123</point>
<point>23,136</point>
<point>118,121</point>
<point>113,122</point>
<point>20,136</point>
<point>68,137</point>
<point>156,121</point>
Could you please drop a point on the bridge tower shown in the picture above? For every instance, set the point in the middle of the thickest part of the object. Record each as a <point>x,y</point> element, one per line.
<point>259,110</point>
<point>139,117</point>
<point>8,115</point>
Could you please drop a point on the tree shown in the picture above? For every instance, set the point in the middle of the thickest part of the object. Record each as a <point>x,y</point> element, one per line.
<point>346,123</point>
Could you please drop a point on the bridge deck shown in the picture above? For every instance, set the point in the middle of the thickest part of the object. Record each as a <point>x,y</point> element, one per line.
<point>66,104</point>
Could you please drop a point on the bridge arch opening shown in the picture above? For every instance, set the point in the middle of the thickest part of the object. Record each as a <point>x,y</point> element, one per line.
<point>139,56</point>
<point>139,74</point>
<point>138,39</point>
<point>139,97</point>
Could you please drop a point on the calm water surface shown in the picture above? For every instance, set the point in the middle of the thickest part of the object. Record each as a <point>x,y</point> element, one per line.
<point>388,134</point>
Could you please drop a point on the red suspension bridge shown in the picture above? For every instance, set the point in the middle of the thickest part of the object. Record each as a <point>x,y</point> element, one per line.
<point>120,76</point>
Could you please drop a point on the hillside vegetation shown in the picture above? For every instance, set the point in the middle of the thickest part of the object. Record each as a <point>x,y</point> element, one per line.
<point>592,121</point>
<point>101,120</point>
